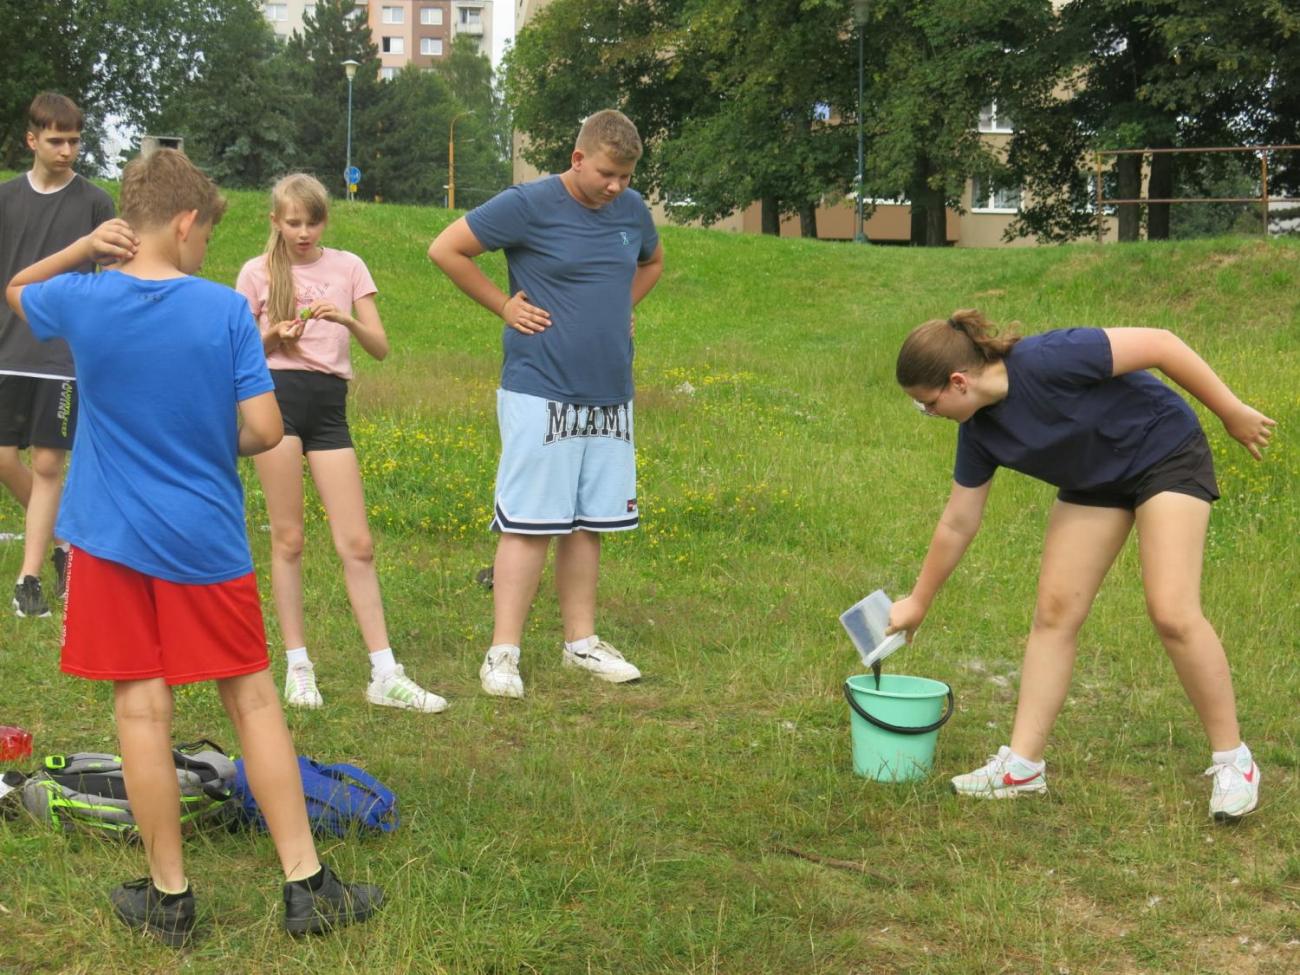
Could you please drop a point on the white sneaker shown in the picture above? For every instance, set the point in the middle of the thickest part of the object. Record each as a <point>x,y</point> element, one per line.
<point>500,673</point>
<point>396,690</point>
<point>1001,778</point>
<point>604,661</point>
<point>300,687</point>
<point>1236,792</point>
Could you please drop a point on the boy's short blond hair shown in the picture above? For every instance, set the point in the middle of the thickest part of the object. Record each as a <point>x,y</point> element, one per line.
<point>613,132</point>
<point>50,110</point>
<point>157,186</point>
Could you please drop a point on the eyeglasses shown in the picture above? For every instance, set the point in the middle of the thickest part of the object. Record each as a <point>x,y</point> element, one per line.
<point>928,407</point>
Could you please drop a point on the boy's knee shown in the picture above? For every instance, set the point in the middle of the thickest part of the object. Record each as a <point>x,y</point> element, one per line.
<point>1057,613</point>
<point>247,694</point>
<point>47,462</point>
<point>140,702</point>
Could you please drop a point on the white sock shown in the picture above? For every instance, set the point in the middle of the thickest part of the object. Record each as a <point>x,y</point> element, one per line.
<point>586,643</point>
<point>1239,756</point>
<point>298,655</point>
<point>1033,766</point>
<point>504,646</point>
<point>382,663</point>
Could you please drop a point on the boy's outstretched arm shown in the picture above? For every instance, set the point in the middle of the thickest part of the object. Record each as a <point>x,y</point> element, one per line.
<point>111,240</point>
<point>1132,349</point>
<point>262,427</point>
<point>454,251</point>
<point>958,524</point>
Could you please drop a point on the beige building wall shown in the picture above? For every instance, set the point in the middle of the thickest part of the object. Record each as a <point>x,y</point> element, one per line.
<point>414,32</point>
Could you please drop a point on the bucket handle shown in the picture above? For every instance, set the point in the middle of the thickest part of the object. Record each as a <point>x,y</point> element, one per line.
<point>897,729</point>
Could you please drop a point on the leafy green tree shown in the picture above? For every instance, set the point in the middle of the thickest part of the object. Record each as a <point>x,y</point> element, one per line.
<point>1158,73</point>
<point>781,81</point>
<point>935,64</point>
<point>334,33</point>
<point>579,56</point>
<point>116,58</point>
<point>237,114</point>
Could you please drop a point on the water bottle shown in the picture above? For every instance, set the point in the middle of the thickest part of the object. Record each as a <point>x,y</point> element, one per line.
<point>14,743</point>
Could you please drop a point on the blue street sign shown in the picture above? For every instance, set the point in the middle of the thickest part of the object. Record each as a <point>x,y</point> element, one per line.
<point>352,174</point>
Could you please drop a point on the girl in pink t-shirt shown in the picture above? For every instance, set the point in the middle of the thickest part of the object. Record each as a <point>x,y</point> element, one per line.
<point>310,302</point>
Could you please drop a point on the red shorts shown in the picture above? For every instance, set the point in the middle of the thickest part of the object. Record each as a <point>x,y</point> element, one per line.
<point>119,624</point>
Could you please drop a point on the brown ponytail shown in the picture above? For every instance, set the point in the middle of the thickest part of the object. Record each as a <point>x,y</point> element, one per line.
<point>966,341</point>
<point>308,193</point>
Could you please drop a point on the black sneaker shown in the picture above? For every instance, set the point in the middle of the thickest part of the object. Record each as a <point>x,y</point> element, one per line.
<point>28,598</point>
<point>60,559</point>
<point>322,902</point>
<point>168,917</point>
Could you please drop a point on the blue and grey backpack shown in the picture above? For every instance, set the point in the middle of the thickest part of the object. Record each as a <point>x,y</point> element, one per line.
<point>341,799</point>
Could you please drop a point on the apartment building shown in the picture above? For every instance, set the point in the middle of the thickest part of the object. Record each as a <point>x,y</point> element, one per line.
<point>407,32</point>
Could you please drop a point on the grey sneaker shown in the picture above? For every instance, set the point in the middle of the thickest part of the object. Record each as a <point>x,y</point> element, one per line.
<point>332,904</point>
<point>28,598</point>
<point>60,559</point>
<point>141,905</point>
<point>602,660</point>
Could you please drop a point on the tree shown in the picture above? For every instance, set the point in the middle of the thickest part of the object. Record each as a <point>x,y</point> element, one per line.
<point>781,83</point>
<point>936,64</point>
<point>118,59</point>
<point>237,114</point>
<point>1166,73</point>
<point>579,56</point>
<point>314,73</point>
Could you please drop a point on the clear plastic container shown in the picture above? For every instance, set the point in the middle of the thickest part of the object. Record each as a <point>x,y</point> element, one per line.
<point>866,622</point>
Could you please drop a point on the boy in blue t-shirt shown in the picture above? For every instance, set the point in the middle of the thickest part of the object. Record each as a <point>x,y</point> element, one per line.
<point>581,251</point>
<point>154,510</point>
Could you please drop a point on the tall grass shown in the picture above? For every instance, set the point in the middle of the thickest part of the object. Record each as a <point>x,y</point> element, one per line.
<point>706,819</point>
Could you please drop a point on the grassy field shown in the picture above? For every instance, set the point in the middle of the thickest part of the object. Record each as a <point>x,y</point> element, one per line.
<point>707,818</point>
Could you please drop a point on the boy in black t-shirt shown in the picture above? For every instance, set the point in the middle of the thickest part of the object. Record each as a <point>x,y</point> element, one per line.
<point>41,212</point>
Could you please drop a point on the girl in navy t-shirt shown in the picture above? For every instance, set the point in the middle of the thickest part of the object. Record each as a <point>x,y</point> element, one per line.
<point>1075,408</point>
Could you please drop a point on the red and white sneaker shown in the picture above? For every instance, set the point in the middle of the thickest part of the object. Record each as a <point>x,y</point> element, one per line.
<point>1236,791</point>
<point>1003,777</point>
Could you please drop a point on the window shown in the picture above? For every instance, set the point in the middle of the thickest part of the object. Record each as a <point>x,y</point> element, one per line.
<point>394,45</point>
<point>277,12</point>
<point>431,46</point>
<point>394,15</point>
<point>471,15</point>
<point>308,10</point>
<point>985,197</point>
<point>431,16</point>
<point>994,120</point>
<point>387,74</point>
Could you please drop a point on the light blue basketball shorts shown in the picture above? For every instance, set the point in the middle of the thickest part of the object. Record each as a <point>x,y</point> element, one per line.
<point>564,467</point>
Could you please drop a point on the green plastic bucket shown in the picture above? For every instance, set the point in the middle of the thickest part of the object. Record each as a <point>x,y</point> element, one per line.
<point>894,729</point>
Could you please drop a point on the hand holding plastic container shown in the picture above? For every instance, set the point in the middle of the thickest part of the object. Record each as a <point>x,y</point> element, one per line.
<point>866,622</point>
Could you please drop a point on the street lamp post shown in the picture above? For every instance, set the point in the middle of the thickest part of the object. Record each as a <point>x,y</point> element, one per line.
<point>451,161</point>
<point>860,19</point>
<point>350,69</point>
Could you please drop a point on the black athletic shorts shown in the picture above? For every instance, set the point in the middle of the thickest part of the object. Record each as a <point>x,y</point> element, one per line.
<point>1188,470</point>
<point>315,408</point>
<point>37,412</point>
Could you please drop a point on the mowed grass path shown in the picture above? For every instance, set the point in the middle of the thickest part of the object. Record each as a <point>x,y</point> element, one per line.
<point>707,819</point>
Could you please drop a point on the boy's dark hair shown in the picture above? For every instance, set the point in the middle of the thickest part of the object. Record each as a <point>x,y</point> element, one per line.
<point>157,186</point>
<point>50,110</point>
